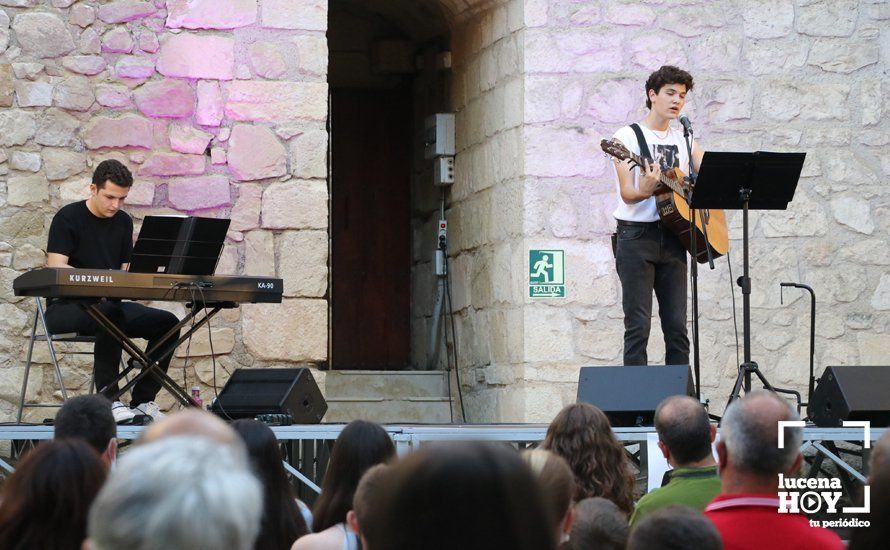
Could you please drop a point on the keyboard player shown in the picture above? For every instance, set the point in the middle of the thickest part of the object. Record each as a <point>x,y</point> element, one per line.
<point>97,234</point>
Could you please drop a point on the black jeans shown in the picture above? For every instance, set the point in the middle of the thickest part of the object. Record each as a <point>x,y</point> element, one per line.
<point>135,320</point>
<point>650,257</point>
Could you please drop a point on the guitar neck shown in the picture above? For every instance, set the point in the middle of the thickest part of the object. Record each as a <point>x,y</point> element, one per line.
<point>672,184</point>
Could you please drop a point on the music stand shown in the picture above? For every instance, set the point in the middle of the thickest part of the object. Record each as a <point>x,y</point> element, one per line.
<point>747,181</point>
<point>179,245</point>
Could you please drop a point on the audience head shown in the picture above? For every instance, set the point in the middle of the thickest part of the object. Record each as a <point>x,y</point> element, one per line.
<point>557,484</point>
<point>367,496</point>
<point>748,449</point>
<point>684,431</point>
<point>178,492</point>
<point>44,504</point>
<point>190,422</point>
<point>581,434</point>
<point>467,496</point>
<point>89,417</point>
<point>675,527</point>
<point>876,535</point>
<point>282,522</point>
<point>359,446</point>
<point>599,523</point>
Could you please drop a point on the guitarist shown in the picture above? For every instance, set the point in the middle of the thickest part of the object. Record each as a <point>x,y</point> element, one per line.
<point>649,256</point>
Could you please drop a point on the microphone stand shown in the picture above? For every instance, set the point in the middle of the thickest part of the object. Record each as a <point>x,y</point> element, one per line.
<point>690,188</point>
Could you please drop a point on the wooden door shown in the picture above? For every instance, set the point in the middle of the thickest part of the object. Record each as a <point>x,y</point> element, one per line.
<point>370,229</point>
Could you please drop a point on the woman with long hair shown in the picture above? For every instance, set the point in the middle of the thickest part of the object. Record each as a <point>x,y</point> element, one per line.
<point>582,435</point>
<point>359,446</point>
<point>282,521</point>
<point>46,501</point>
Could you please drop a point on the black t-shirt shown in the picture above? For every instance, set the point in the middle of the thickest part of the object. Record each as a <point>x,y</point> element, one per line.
<point>91,242</point>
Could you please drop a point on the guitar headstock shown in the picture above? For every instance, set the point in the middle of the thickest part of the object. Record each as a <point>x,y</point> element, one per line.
<point>615,148</point>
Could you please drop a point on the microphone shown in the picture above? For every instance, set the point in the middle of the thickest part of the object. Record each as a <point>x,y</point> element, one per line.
<point>687,126</point>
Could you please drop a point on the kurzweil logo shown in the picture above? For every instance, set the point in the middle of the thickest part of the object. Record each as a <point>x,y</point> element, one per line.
<point>90,279</point>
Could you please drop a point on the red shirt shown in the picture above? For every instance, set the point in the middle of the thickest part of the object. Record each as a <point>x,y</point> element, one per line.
<point>747,521</point>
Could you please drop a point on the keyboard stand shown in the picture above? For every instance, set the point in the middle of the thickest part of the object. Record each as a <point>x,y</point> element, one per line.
<point>141,359</point>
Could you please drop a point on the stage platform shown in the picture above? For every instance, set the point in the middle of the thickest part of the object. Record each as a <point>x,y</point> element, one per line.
<point>307,439</point>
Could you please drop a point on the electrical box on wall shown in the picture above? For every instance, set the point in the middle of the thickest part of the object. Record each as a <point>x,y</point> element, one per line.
<point>443,171</point>
<point>438,136</point>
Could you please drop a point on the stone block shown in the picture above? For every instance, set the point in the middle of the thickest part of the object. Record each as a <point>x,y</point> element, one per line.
<point>28,71</point>
<point>74,93</point>
<point>4,31</point>
<point>871,100</point>
<point>166,98</point>
<point>307,15</point>
<point>548,334</point>
<point>117,40</point>
<point>7,85</point>
<point>197,57</point>
<point>259,253</point>
<point>693,20</point>
<point>277,102</point>
<point>556,152</point>
<point>880,300</point>
<point>303,263</point>
<point>309,152</point>
<point>246,212</point>
<point>827,17</point>
<point>82,15</point>
<point>148,42</point>
<point>124,131</point>
<point>781,101</point>
<point>267,60</point>
<point>33,94</point>
<point>767,18</point>
<point>826,101</point>
<point>210,103</point>
<point>173,164</point>
<point>199,346</point>
<point>776,56</point>
<point>42,34</point>
<point>122,11</point>
<point>255,153</point>
<point>295,204</point>
<point>85,64</point>
<point>855,213</point>
<point>210,14</point>
<point>28,256</point>
<point>185,139</point>
<point>24,161</point>
<point>142,193</point>
<point>844,55</point>
<point>720,51</point>
<point>22,190</point>
<point>574,50</point>
<point>311,54</point>
<point>295,330</point>
<point>89,42</point>
<point>57,128</point>
<point>613,100</point>
<point>629,14</point>
<point>60,164</point>
<point>729,100</point>
<point>655,50</point>
<point>115,96</point>
<point>199,193</point>
<point>134,66</point>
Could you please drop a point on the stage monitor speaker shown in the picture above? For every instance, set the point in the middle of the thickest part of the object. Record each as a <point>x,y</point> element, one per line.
<point>252,392</point>
<point>629,394</point>
<point>851,393</point>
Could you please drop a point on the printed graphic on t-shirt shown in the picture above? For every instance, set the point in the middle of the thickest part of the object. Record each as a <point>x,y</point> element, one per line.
<point>668,156</point>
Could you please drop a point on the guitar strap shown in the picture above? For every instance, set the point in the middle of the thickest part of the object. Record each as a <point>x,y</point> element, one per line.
<point>641,141</point>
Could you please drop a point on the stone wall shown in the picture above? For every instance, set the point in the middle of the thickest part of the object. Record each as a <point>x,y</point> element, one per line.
<point>219,108</point>
<point>772,75</point>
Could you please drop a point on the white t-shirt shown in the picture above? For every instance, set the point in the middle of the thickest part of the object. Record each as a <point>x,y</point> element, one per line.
<point>669,151</point>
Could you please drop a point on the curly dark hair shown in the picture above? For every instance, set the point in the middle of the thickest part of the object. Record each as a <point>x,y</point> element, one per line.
<point>582,435</point>
<point>667,74</point>
<point>113,171</point>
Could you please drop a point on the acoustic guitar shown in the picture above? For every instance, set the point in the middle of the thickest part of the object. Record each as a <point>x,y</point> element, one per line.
<point>673,209</point>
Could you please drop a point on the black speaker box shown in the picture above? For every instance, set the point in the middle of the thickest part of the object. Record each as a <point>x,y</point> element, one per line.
<point>629,394</point>
<point>251,392</point>
<point>851,393</point>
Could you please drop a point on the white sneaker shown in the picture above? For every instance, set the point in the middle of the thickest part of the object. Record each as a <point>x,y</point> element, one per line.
<point>122,413</point>
<point>149,409</point>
